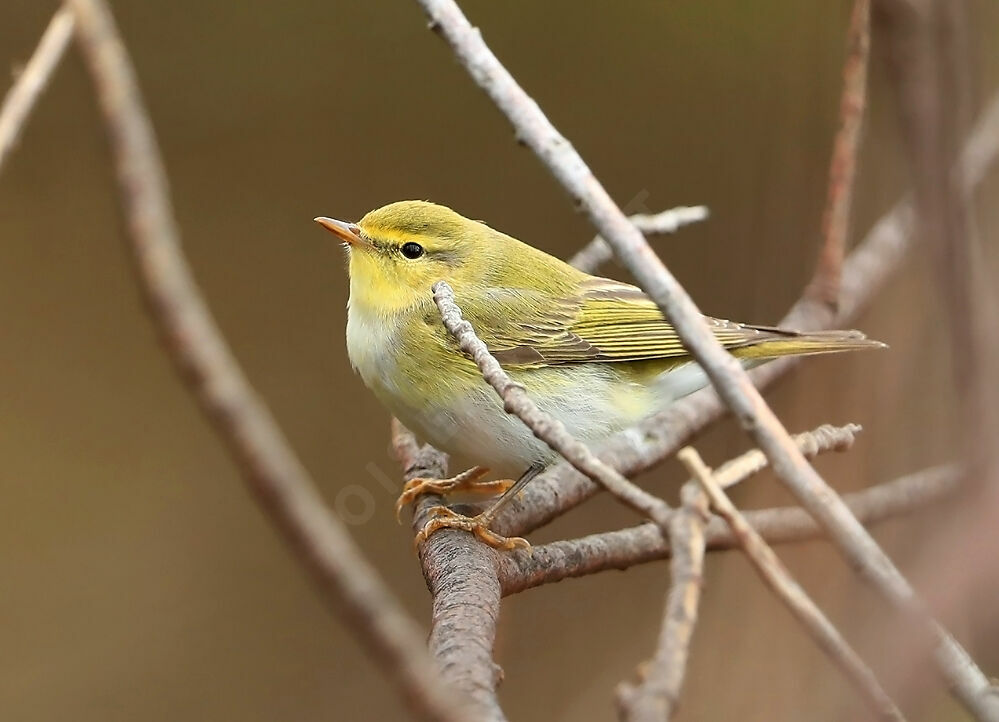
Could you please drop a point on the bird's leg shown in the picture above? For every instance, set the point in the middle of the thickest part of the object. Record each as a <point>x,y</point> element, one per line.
<point>444,518</point>
<point>468,480</point>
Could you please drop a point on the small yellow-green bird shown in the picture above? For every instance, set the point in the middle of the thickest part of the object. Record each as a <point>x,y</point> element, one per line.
<point>596,354</point>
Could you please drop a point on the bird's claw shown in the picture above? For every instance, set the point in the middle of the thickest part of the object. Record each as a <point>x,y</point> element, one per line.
<point>443,518</point>
<point>468,480</point>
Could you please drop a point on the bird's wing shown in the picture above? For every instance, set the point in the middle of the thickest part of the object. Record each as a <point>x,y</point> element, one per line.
<point>606,322</point>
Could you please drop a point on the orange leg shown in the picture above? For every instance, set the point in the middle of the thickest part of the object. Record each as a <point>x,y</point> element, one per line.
<point>444,518</point>
<point>465,481</point>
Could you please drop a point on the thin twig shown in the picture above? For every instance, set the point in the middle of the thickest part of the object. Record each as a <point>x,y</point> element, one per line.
<point>545,427</point>
<point>596,253</point>
<point>462,577</point>
<point>727,375</point>
<point>825,285</point>
<point>656,697</point>
<point>278,480</point>
<point>779,579</point>
<point>811,443</point>
<point>34,78</point>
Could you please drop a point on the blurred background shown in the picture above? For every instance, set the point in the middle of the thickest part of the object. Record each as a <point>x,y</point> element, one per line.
<point>138,580</point>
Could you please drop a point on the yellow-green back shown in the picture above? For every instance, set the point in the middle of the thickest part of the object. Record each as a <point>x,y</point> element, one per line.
<point>531,308</point>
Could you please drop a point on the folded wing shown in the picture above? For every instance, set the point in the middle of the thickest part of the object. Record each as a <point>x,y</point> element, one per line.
<point>613,322</point>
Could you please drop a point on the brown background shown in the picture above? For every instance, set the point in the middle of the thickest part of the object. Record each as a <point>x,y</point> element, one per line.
<point>137,578</point>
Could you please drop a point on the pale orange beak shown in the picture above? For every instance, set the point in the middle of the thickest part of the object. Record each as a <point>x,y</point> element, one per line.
<point>347,232</point>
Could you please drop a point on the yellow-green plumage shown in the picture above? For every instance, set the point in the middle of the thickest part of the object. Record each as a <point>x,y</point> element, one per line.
<point>596,353</point>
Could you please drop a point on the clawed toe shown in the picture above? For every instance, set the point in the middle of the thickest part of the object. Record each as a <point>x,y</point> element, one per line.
<point>444,518</point>
<point>466,481</point>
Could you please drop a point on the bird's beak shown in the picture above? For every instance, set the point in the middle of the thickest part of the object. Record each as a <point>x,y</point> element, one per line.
<point>347,232</point>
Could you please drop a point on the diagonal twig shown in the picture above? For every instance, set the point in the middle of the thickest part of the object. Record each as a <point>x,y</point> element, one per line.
<point>33,79</point>
<point>779,579</point>
<point>278,480</point>
<point>596,253</point>
<point>825,285</point>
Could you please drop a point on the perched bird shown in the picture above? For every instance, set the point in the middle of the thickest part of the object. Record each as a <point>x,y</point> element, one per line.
<point>596,354</point>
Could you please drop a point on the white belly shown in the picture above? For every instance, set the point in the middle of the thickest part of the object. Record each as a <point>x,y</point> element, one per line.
<point>474,425</point>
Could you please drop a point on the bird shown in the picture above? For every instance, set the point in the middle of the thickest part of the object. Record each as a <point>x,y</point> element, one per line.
<point>595,353</point>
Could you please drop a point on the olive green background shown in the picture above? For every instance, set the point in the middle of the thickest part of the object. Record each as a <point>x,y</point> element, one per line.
<point>137,578</point>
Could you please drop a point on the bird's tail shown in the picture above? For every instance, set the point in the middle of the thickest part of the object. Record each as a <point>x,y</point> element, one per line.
<point>782,342</point>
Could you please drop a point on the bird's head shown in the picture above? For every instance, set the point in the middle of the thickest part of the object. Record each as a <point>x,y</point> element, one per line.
<point>399,251</point>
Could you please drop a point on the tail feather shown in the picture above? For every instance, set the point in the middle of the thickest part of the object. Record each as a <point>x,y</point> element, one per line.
<point>783,342</point>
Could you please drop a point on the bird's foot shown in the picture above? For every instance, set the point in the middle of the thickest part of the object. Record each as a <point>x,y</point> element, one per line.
<point>465,481</point>
<point>443,518</point>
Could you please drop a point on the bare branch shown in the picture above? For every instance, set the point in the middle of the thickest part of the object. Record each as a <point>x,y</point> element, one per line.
<point>545,427</point>
<point>548,563</point>
<point>658,694</point>
<point>462,577</point>
<point>825,285</point>
<point>779,579</point>
<point>279,482</point>
<point>596,253</point>
<point>21,98</point>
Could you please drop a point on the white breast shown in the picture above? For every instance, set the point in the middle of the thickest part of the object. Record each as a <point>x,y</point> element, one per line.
<point>473,423</point>
<point>370,344</point>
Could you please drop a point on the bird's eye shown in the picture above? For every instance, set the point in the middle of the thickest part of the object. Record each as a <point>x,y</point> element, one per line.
<point>412,250</point>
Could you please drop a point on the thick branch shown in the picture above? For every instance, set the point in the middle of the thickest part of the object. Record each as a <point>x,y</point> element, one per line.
<point>462,578</point>
<point>21,98</point>
<point>548,563</point>
<point>795,598</point>
<point>191,337</point>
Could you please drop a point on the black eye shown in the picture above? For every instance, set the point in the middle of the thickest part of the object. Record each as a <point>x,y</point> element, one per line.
<point>412,250</point>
